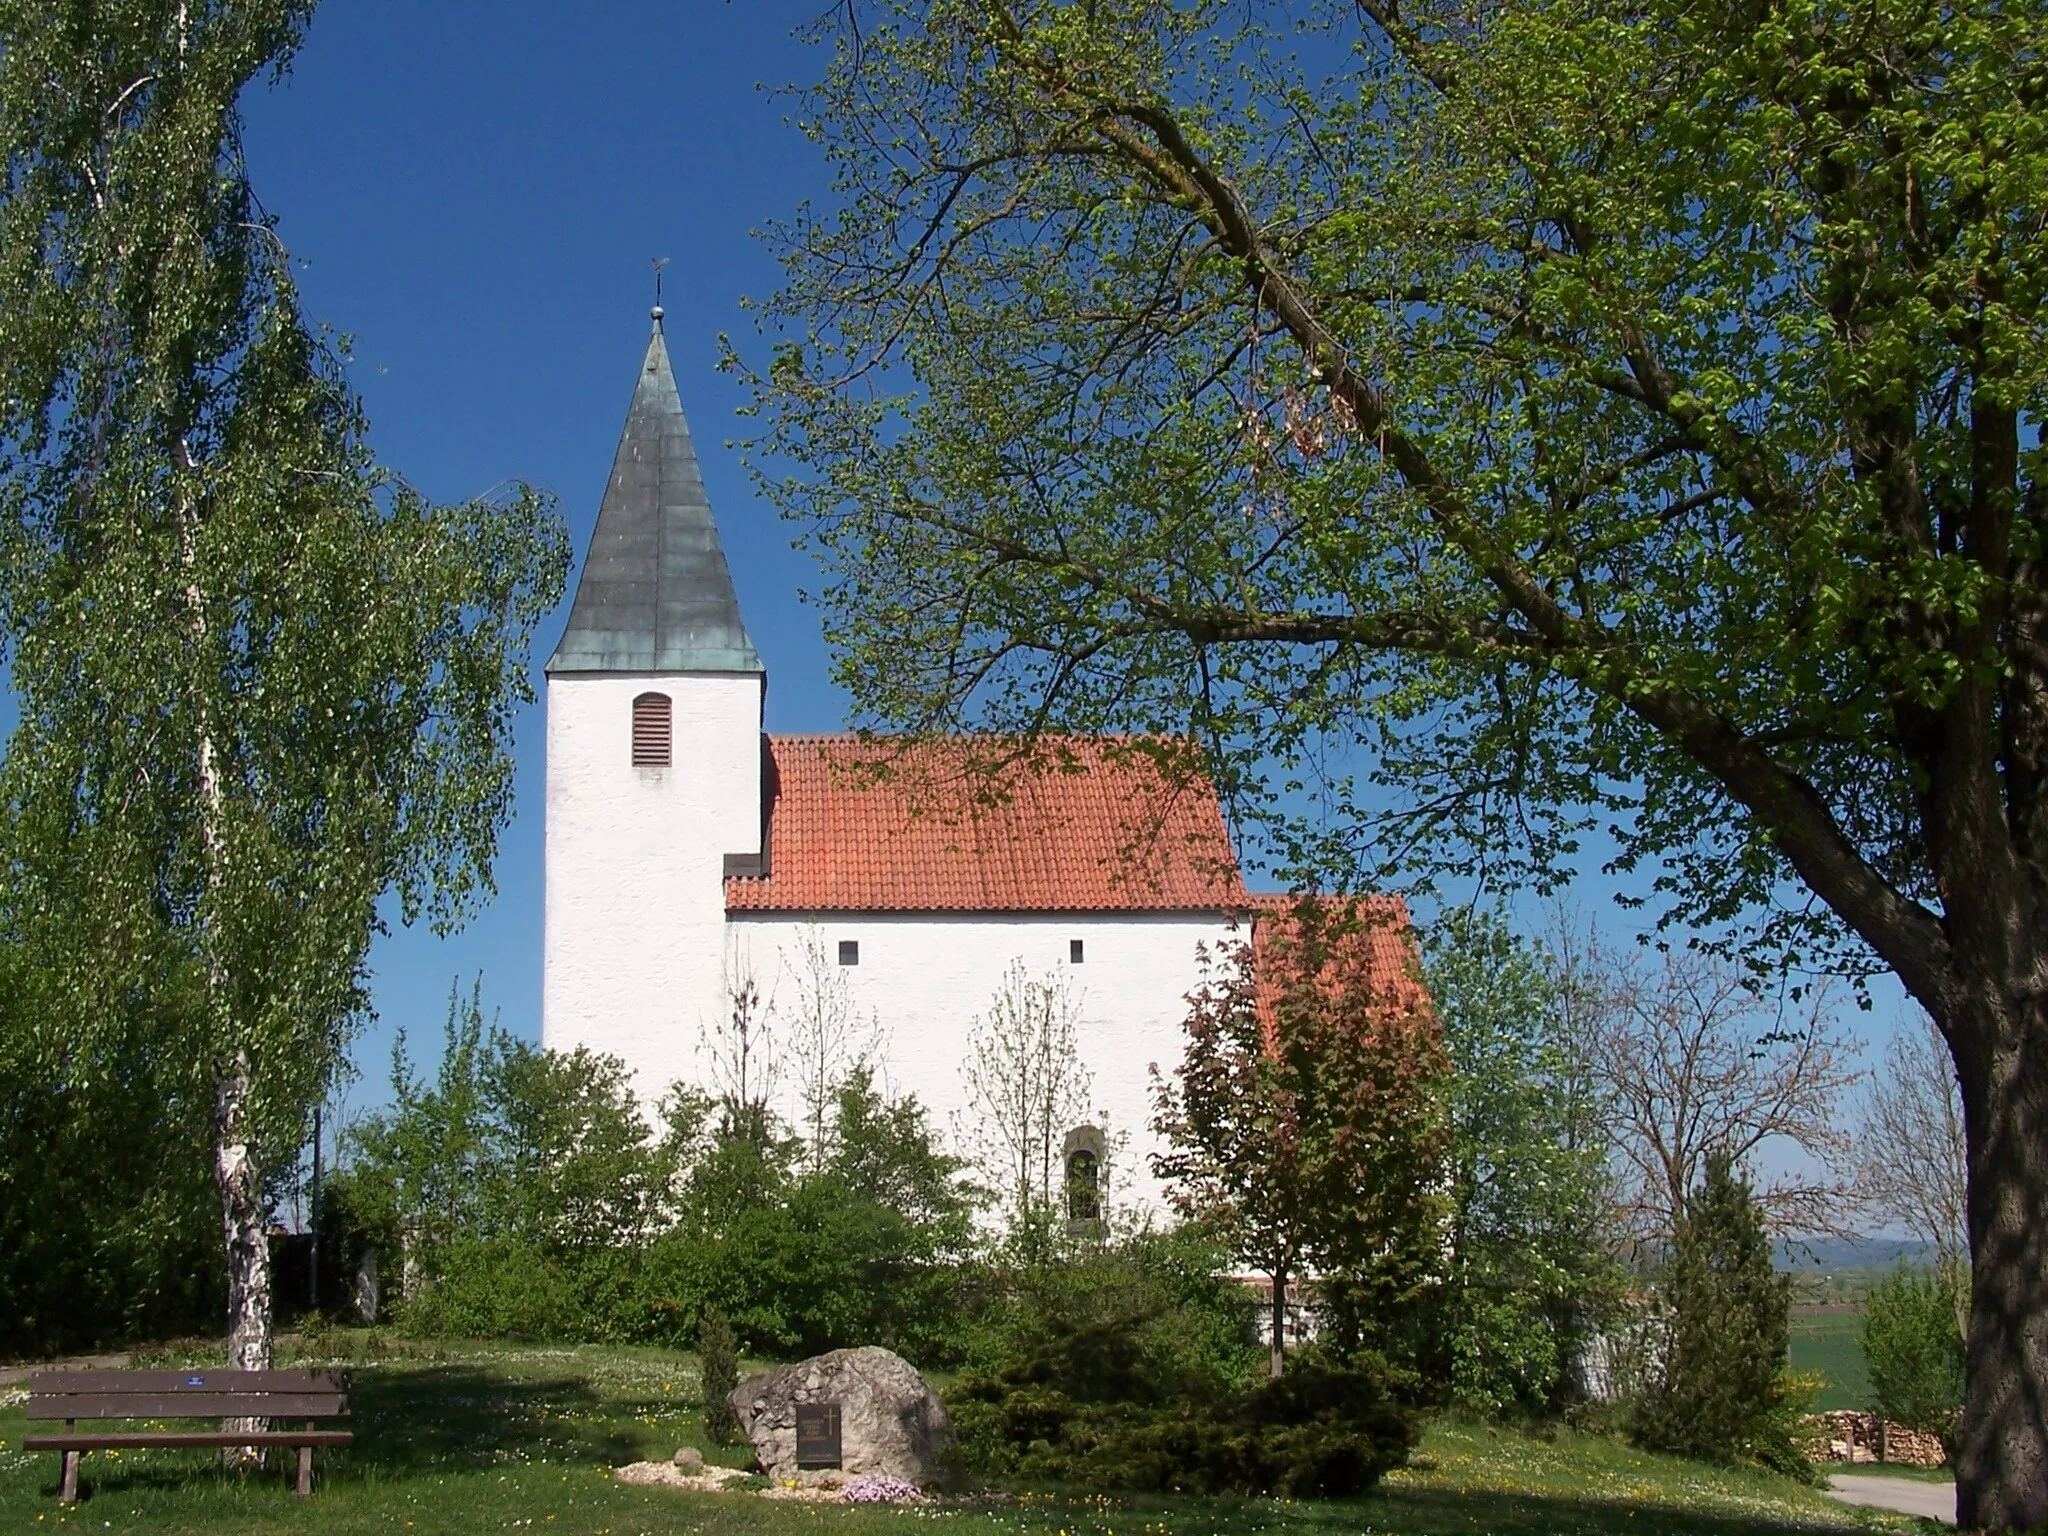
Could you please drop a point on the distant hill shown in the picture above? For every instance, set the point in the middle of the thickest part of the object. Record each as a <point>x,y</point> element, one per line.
<point>1822,1255</point>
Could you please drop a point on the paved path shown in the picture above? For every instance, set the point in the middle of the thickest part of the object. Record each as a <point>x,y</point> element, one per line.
<point>1936,1501</point>
<point>13,1375</point>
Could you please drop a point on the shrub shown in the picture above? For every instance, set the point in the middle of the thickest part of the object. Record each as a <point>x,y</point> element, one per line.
<point>1915,1350</point>
<point>1133,1367</point>
<point>496,1290</point>
<point>1720,1391</point>
<point>718,1363</point>
<point>1323,1430</point>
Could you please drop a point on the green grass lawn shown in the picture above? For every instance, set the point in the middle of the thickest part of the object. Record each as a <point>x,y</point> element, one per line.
<point>471,1438</point>
<point>1830,1343</point>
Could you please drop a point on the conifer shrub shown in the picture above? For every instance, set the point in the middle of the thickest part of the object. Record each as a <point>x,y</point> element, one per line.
<point>1325,1429</point>
<point>1133,1367</point>
<point>718,1361</point>
<point>1720,1390</point>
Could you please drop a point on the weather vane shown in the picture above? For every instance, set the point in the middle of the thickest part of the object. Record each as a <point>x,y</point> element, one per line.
<point>659,263</point>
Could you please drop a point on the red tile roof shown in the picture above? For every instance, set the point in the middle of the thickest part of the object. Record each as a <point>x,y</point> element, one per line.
<point>1372,944</point>
<point>1090,825</point>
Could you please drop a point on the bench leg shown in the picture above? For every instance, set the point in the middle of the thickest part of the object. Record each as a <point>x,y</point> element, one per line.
<point>70,1493</point>
<point>305,1471</point>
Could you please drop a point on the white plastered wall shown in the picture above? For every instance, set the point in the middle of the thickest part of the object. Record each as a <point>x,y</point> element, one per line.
<point>635,917</point>
<point>925,977</point>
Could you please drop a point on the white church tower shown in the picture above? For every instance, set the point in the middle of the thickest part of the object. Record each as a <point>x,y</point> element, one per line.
<point>654,759</point>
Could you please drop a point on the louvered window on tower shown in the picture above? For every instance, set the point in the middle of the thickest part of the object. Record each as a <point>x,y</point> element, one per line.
<point>651,731</point>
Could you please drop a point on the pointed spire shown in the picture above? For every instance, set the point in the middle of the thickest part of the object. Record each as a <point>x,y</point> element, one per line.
<point>655,594</point>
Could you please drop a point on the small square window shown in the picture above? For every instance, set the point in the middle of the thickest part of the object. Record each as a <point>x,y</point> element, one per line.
<point>849,951</point>
<point>1076,952</point>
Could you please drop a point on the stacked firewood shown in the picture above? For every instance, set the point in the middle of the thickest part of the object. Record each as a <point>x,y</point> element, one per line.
<point>1846,1435</point>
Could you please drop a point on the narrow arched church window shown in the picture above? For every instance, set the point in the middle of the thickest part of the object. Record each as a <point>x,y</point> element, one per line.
<point>651,731</point>
<point>1084,1186</point>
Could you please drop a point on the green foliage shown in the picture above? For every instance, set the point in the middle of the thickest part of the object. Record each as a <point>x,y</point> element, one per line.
<point>532,1199</point>
<point>861,1246</point>
<point>109,1220</point>
<point>1720,1392</point>
<point>1915,1351</point>
<point>718,1364</point>
<point>1538,480</point>
<point>1529,1270</point>
<point>500,1288</point>
<point>512,1152</point>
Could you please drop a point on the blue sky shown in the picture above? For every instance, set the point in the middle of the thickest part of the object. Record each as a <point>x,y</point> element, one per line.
<point>475,192</point>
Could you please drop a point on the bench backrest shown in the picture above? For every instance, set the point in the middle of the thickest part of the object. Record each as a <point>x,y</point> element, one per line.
<point>196,1394</point>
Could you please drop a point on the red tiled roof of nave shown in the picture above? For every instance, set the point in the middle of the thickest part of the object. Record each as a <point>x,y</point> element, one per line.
<point>872,826</point>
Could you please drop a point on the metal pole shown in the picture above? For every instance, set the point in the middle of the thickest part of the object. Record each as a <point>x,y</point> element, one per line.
<point>313,1222</point>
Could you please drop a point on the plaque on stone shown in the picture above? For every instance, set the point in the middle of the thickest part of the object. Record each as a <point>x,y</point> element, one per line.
<point>817,1435</point>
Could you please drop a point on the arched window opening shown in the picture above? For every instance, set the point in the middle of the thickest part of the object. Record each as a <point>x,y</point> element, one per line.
<point>1084,1187</point>
<point>652,732</point>
<point>1081,1159</point>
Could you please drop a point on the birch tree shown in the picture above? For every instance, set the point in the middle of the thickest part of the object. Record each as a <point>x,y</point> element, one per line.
<point>266,689</point>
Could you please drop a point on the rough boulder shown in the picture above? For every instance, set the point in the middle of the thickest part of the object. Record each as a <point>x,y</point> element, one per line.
<point>890,1420</point>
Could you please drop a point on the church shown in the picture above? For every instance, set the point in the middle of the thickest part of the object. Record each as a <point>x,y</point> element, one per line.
<point>695,864</point>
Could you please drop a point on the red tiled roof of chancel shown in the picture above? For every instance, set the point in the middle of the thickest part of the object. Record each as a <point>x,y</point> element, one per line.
<point>1367,941</point>
<point>1081,825</point>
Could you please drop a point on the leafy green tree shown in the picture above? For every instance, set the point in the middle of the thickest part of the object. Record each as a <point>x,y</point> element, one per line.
<point>1719,1391</point>
<point>107,1205</point>
<point>1914,1351</point>
<point>1302,1126</point>
<point>1589,415</point>
<point>1530,1267</point>
<point>262,685</point>
<point>864,1245</point>
<point>510,1148</point>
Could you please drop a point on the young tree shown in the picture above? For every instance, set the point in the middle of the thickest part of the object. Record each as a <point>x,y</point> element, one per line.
<point>824,1039</point>
<point>1026,1088</point>
<point>1914,1161</point>
<point>507,1144</point>
<point>1302,1123</point>
<point>1529,1267</point>
<point>1718,1390</point>
<point>261,685</point>
<point>1914,1351</point>
<point>1602,415</point>
<point>746,1063</point>
<point>1690,1061</point>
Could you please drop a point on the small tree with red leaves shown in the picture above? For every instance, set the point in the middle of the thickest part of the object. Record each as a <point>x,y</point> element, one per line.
<point>1304,1120</point>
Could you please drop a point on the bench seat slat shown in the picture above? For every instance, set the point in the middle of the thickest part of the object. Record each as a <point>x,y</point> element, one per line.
<point>179,1439</point>
<point>208,1380</point>
<point>190,1405</point>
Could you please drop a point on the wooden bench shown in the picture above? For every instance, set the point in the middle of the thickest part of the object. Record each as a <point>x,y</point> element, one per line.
<point>201,1394</point>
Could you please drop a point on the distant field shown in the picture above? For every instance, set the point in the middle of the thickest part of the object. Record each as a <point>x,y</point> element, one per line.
<point>1828,1340</point>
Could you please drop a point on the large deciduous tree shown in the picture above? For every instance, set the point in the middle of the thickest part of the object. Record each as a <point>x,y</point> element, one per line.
<point>262,685</point>
<point>1602,413</point>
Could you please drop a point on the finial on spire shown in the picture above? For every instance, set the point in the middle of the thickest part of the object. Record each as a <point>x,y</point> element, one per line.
<point>656,312</point>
